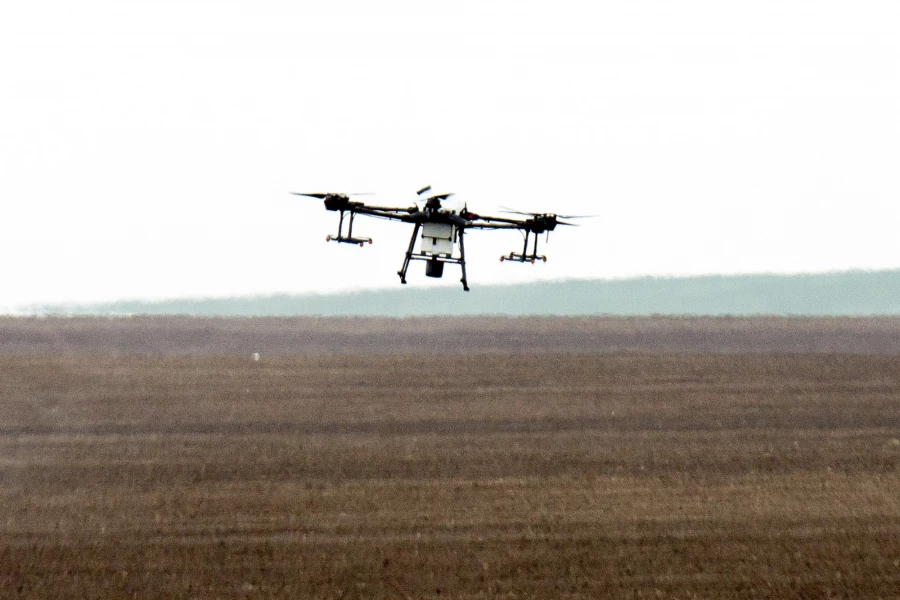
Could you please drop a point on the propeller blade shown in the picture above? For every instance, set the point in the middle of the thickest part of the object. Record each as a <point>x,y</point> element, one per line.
<point>441,197</point>
<point>537,214</point>
<point>321,196</point>
<point>423,190</point>
<point>504,209</point>
<point>558,222</point>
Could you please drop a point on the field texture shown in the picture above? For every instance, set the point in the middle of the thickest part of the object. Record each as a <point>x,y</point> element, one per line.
<point>565,472</point>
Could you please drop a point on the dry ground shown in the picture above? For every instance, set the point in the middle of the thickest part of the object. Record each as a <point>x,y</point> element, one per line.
<point>478,475</point>
<point>437,335</point>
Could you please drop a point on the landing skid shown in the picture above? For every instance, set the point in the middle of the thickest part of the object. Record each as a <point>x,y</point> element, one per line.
<point>530,258</point>
<point>525,256</point>
<point>348,240</point>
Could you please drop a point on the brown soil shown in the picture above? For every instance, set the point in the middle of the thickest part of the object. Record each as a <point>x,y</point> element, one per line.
<point>565,473</point>
<point>441,335</point>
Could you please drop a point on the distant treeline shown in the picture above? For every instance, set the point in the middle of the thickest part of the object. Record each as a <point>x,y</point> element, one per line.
<point>853,293</point>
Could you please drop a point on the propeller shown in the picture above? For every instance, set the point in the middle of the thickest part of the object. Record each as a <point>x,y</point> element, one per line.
<point>541,222</point>
<point>441,197</point>
<point>437,197</point>
<point>537,214</point>
<point>322,196</point>
<point>432,203</point>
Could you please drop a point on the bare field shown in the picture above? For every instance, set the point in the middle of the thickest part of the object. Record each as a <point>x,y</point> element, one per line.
<point>558,474</point>
<point>447,335</point>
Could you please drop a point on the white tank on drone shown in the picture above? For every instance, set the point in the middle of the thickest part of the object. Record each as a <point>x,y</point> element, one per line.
<point>437,239</point>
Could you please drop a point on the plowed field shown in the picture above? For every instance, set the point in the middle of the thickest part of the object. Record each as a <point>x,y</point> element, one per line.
<point>567,472</point>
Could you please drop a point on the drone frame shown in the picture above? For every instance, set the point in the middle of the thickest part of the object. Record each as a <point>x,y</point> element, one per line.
<point>433,217</point>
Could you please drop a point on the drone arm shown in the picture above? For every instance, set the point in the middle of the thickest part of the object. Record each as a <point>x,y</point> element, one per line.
<point>391,213</point>
<point>478,224</point>
<point>389,209</point>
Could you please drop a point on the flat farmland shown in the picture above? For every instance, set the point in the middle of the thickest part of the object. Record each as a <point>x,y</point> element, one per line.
<point>150,469</point>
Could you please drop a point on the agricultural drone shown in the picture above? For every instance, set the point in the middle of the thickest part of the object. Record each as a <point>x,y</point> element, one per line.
<point>441,227</point>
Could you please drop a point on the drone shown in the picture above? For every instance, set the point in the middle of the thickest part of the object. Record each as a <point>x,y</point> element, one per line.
<point>442,228</point>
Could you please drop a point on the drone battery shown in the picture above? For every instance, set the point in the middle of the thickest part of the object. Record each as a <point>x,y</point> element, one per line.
<point>437,239</point>
<point>434,268</point>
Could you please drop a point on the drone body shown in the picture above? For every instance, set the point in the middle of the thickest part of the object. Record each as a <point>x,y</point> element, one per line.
<point>441,230</point>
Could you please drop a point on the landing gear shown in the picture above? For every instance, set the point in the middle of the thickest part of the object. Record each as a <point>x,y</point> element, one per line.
<point>409,254</point>
<point>525,256</point>
<point>434,263</point>
<point>347,239</point>
<point>462,260</point>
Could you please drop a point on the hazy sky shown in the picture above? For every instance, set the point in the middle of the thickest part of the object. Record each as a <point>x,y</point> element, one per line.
<point>148,148</point>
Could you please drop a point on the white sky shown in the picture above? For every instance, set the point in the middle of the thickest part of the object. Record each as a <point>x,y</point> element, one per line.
<point>147,148</point>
